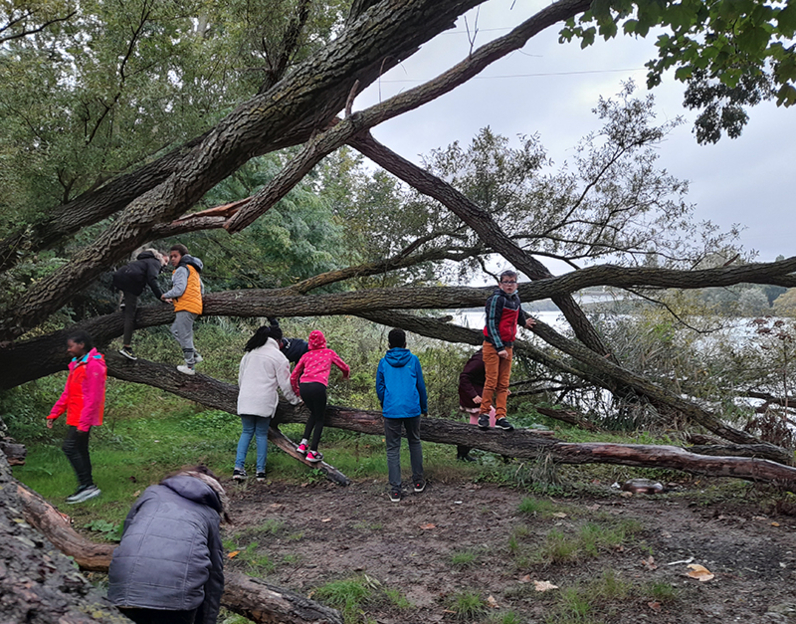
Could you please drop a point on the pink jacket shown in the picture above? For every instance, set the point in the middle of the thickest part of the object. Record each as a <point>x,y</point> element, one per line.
<point>316,364</point>
<point>83,398</point>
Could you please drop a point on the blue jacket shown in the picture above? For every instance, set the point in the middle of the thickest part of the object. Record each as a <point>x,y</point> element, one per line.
<point>400,385</point>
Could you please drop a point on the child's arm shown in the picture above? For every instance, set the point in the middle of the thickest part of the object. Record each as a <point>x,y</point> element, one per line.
<point>380,387</point>
<point>296,374</point>
<point>421,388</point>
<point>338,362</point>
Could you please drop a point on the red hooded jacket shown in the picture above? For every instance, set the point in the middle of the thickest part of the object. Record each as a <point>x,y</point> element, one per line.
<point>83,398</point>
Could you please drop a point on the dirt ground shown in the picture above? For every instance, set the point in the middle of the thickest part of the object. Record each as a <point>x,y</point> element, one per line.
<point>318,533</point>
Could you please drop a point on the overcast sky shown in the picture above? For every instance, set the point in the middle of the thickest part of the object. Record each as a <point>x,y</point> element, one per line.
<point>551,88</point>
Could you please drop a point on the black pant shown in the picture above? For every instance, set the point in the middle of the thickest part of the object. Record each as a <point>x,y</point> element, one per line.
<point>76,450</point>
<point>130,305</point>
<point>314,396</point>
<point>158,616</point>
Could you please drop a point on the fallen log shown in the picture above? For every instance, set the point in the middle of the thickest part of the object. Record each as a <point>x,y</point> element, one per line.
<point>15,453</point>
<point>522,444</point>
<point>254,599</point>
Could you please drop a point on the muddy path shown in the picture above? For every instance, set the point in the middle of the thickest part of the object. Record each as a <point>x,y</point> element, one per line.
<point>465,537</point>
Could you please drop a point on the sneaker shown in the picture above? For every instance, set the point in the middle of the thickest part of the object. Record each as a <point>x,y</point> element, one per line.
<point>128,353</point>
<point>92,491</point>
<point>395,495</point>
<point>185,369</point>
<point>483,422</point>
<point>73,497</point>
<point>466,458</point>
<point>501,423</point>
<point>302,449</point>
<point>197,358</point>
<point>420,485</point>
<point>260,477</point>
<point>239,474</point>
<point>314,456</point>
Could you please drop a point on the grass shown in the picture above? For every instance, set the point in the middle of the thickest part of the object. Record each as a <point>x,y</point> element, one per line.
<point>467,605</point>
<point>463,559</point>
<point>347,595</point>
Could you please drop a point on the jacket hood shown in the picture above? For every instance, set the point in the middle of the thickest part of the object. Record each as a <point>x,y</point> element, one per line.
<point>317,340</point>
<point>196,263</point>
<point>514,295</point>
<point>146,255</point>
<point>194,487</point>
<point>93,354</point>
<point>398,357</point>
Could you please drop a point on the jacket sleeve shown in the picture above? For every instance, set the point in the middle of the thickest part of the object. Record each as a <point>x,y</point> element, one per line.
<point>296,375</point>
<point>60,405</point>
<point>494,310</point>
<point>285,382</point>
<point>421,387</point>
<point>380,386</point>
<point>179,282</point>
<point>152,279</point>
<point>214,587</point>
<point>466,385</point>
<point>93,393</point>
<point>338,362</point>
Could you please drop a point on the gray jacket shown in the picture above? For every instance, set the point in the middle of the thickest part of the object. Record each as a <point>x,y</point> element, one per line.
<point>171,557</point>
<point>179,279</point>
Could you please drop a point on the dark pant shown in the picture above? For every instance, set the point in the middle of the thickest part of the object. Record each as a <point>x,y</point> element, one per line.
<point>314,396</point>
<point>392,435</point>
<point>157,616</point>
<point>76,450</point>
<point>130,306</point>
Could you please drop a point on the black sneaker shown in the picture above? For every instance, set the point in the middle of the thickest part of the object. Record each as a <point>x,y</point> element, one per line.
<point>395,495</point>
<point>239,474</point>
<point>420,485</point>
<point>260,477</point>
<point>483,422</point>
<point>128,353</point>
<point>72,498</point>
<point>502,423</point>
<point>92,491</point>
<point>466,458</point>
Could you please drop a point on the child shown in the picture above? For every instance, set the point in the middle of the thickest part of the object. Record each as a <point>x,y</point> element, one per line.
<point>83,400</point>
<point>262,369</point>
<point>309,380</point>
<point>402,393</point>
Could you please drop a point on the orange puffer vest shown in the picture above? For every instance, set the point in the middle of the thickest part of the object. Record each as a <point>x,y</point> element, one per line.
<point>191,299</point>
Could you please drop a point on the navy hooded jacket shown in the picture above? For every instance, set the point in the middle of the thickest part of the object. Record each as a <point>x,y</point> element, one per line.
<point>400,385</point>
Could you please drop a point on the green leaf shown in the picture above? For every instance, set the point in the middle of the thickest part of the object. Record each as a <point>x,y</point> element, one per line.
<point>683,73</point>
<point>753,39</point>
<point>786,20</point>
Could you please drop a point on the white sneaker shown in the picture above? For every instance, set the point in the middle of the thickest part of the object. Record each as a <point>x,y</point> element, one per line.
<point>197,358</point>
<point>185,369</point>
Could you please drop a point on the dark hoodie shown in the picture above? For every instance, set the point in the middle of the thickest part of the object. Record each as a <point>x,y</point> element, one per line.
<point>400,385</point>
<point>134,276</point>
<point>170,557</point>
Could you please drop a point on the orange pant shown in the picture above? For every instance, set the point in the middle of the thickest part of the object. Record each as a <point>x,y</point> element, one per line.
<point>498,373</point>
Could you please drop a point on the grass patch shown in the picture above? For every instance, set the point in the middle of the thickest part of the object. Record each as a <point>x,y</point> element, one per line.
<point>535,506</point>
<point>587,542</point>
<point>463,559</point>
<point>467,606</point>
<point>397,598</point>
<point>347,595</point>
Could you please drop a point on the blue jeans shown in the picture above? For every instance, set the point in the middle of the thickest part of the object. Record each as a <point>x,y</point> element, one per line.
<point>253,426</point>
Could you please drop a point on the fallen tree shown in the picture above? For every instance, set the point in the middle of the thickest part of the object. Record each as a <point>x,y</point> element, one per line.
<point>522,444</point>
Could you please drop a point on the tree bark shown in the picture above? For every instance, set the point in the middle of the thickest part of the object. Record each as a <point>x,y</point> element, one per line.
<point>38,584</point>
<point>254,599</point>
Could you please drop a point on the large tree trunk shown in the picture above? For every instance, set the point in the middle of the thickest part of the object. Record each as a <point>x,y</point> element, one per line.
<point>38,584</point>
<point>252,598</point>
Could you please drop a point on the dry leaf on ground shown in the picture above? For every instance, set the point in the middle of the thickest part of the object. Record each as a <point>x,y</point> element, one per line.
<point>654,605</point>
<point>649,563</point>
<point>326,520</point>
<point>492,602</point>
<point>543,586</point>
<point>234,553</point>
<point>428,526</point>
<point>700,572</point>
<point>559,514</point>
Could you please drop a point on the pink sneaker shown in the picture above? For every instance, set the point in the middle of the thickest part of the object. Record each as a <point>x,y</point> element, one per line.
<point>314,456</point>
<point>302,448</point>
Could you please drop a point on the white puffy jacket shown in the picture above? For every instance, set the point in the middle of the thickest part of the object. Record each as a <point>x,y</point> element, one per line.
<point>262,370</point>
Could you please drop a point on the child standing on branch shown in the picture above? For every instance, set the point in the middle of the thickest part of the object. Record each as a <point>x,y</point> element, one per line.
<point>309,380</point>
<point>503,314</point>
<point>186,295</point>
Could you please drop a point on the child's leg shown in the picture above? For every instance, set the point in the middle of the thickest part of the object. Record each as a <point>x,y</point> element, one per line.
<point>415,449</point>
<point>314,397</point>
<point>261,431</point>
<point>392,438</point>
<point>245,439</point>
